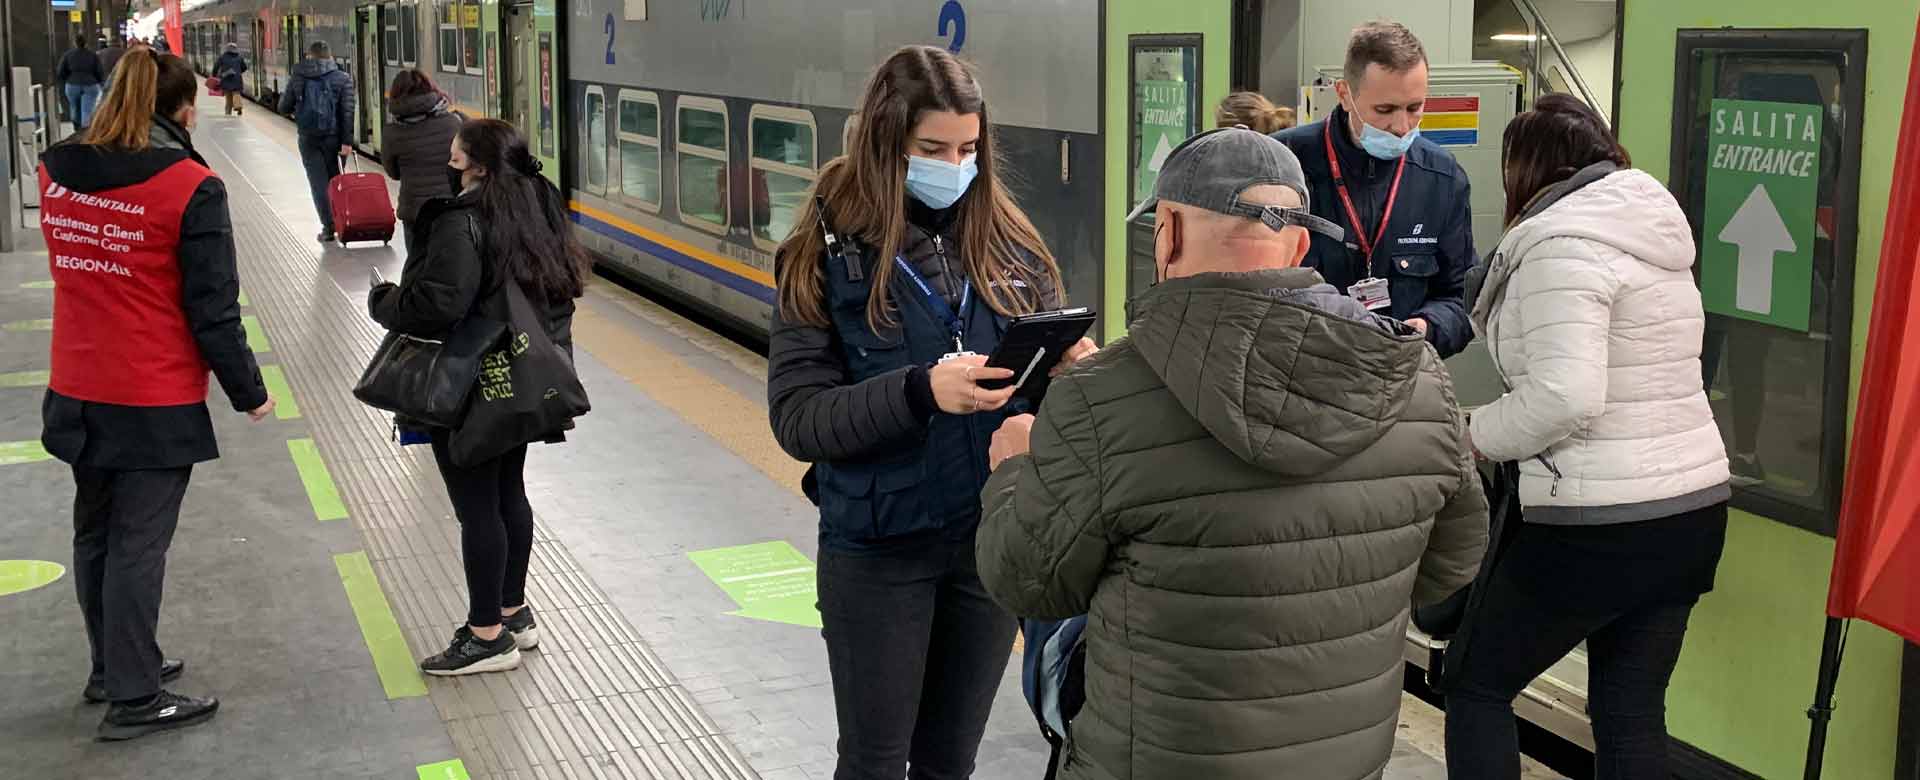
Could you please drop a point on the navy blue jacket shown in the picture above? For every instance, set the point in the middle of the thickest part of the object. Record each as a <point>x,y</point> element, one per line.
<point>1427,249</point>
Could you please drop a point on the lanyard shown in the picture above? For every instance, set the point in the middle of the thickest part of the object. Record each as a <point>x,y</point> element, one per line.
<point>1353,216</point>
<point>956,323</point>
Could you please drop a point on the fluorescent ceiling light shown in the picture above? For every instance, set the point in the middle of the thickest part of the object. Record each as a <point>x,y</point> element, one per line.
<point>1520,37</point>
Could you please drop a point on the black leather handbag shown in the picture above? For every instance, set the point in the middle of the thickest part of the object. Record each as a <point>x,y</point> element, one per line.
<point>429,381</point>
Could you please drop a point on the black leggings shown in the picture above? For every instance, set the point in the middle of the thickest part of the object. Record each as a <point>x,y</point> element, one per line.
<point>496,528</point>
<point>1627,592</point>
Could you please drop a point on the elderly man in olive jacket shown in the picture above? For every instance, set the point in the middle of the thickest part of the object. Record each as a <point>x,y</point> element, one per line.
<point>1246,496</point>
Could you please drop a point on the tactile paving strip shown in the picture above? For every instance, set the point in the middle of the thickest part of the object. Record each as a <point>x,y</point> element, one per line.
<point>594,701</point>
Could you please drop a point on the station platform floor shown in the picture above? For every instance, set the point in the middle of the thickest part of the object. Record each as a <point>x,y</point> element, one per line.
<point>316,560</point>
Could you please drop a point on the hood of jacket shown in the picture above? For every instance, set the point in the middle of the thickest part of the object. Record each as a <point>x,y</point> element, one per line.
<point>313,69</point>
<point>1624,208</point>
<point>1277,365</point>
<point>415,108</point>
<point>88,168</point>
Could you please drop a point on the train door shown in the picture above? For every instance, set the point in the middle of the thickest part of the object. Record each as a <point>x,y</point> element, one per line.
<point>517,105</point>
<point>259,69</point>
<point>367,28</point>
<point>294,30</point>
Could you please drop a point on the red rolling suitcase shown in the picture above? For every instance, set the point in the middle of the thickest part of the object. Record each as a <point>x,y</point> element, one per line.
<point>362,210</point>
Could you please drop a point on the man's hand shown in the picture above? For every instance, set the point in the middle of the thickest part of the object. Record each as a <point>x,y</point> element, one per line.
<point>346,150</point>
<point>1010,440</point>
<point>1080,350</point>
<point>262,412</point>
<point>1419,324</point>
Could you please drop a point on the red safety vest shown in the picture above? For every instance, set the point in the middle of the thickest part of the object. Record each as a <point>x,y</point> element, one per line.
<point>120,334</point>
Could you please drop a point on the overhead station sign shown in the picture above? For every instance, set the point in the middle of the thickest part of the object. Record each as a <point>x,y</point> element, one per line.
<point>1763,169</point>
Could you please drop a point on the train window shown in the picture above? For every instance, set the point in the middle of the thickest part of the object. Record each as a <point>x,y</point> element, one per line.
<point>596,146</point>
<point>640,148</point>
<point>409,34</point>
<point>470,36</point>
<point>784,160</point>
<point>701,146</point>
<point>1773,211</point>
<point>449,37</point>
<point>390,35</point>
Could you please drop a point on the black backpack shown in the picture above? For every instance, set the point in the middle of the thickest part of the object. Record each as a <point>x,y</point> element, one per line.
<point>319,106</point>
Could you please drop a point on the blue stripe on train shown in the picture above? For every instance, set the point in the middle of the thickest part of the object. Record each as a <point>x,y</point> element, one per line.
<point>747,287</point>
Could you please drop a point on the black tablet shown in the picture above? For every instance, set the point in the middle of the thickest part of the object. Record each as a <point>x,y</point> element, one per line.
<point>1033,345</point>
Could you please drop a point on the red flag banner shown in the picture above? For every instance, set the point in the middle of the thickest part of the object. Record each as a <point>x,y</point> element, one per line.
<point>175,27</point>
<point>1875,575</point>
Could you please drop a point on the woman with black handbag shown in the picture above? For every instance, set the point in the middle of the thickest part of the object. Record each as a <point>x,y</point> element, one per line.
<point>507,224</point>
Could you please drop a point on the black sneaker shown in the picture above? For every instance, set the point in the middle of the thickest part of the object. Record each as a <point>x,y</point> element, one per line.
<point>469,654</point>
<point>325,237</point>
<point>168,710</point>
<point>526,633</point>
<point>170,669</point>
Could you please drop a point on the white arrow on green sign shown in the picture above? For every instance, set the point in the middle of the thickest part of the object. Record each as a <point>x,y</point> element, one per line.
<point>769,580</point>
<point>1762,188</point>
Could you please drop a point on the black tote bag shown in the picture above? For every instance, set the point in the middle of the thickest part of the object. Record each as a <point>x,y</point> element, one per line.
<point>427,380</point>
<point>1451,620</point>
<point>527,389</point>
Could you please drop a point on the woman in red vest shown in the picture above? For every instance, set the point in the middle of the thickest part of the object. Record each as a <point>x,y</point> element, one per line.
<point>146,302</point>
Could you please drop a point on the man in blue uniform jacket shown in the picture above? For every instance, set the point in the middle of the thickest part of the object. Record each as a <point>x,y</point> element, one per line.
<point>1367,164</point>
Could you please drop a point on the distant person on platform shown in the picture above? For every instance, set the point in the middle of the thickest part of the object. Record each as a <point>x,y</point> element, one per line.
<point>229,68</point>
<point>320,100</point>
<point>1246,495</point>
<point>110,54</point>
<point>1402,198</point>
<point>416,148</point>
<point>136,332</point>
<point>1253,111</point>
<point>80,70</point>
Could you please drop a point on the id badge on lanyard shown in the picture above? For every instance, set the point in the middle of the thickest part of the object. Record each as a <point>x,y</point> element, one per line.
<point>955,321</point>
<point>1371,291</point>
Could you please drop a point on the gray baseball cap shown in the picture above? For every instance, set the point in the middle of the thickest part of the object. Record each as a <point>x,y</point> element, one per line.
<point>1210,170</point>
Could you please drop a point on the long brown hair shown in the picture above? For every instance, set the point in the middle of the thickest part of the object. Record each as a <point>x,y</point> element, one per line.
<point>1253,110</point>
<point>523,214</point>
<point>411,82</point>
<point>1551,143</point>
<point>145,83</point>
<point>866,195</point>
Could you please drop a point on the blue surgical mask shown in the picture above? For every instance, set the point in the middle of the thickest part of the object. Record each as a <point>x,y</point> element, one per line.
<point>939,183</point>
<point>1384,145</point>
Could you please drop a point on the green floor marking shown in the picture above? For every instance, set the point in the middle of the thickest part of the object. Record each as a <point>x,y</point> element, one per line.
<point>769,580</point>
<point>28,325</point>
<point>25,379</point>
<point>256,336</point>
<point>313,473</point>
<point>398,674</point>
<point>243,298</point>
<point>445,770</point>
<point>284,407</point>
<point>23,576</point>
<point>14,453</point>
<point>47,285</point>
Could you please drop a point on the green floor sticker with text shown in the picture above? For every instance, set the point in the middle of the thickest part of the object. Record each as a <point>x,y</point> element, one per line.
<point>769,580</point>
<point>445,770</point>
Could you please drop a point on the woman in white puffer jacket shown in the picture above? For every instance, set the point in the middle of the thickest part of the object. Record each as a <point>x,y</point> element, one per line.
<point>1592,316</point>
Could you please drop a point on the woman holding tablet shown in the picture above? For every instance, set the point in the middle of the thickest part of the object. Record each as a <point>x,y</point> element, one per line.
<point>897,283</point>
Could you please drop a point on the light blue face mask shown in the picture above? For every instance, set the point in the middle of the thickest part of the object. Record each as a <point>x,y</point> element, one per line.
<point>939,183</point>
<point>1384,145</point>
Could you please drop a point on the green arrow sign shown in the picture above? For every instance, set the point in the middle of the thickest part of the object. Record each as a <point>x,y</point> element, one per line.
<point>769,580</point>
<point>1763,172</point>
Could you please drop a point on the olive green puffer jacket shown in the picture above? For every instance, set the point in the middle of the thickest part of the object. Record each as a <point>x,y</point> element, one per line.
<point>1246,496</point>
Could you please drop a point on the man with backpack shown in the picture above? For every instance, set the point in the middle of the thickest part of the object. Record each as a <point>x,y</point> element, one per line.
<point>1245,496</point>
<point>320,99</point>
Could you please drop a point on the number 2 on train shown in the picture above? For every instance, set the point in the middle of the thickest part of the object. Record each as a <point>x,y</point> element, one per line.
<point>610,26</point>
<point>955,17</point>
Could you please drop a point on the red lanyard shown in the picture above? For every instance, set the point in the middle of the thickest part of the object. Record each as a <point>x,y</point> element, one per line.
<point>1353,216</point>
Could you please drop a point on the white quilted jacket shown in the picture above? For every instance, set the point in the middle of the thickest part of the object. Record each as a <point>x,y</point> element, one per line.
<point>1592,316</point>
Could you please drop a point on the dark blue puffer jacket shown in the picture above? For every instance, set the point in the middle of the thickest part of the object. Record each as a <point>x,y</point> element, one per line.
<point>1426,251</point>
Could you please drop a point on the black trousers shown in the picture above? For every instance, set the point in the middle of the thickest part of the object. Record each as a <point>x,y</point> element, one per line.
<point>496,528</point>
<point>320,156</point>
<point>123,523</point>
<point>917,650</point>
<point>1626,591</point>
